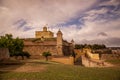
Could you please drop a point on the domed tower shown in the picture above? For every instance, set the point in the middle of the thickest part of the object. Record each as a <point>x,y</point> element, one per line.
<point>45,28</point>
<point>59,43</point>
<point>44,34</point>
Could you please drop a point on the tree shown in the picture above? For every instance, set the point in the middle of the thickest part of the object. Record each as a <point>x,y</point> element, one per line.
<point>79,46</point>
<point>46,54</point>
<point>92,46</point>
<point>6,41</point>
<point>98,46</point>
<point>26,54</point>
<point>15,45</point>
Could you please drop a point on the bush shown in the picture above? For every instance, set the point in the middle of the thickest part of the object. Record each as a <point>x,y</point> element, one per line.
<point>22,54</point>
<point>26,54</point>
<point>46,54</point>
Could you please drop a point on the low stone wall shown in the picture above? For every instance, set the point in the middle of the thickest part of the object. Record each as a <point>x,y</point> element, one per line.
<point>96,56</point>
<point>93,56</point>
<point>4,54</point>
<point>64,60</point>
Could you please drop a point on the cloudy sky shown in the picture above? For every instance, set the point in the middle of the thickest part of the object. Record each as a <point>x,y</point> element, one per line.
<point>85,21</point>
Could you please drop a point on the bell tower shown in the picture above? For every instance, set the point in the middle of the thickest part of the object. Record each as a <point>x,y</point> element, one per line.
<point>73,43</point>
<point>59,43</point>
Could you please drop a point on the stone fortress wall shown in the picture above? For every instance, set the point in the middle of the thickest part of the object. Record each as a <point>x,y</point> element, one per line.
<point>39,48</point>
<point>45,41</point>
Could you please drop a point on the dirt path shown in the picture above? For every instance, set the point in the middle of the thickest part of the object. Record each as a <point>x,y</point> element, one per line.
<point>27,66</point>
<point>30,67</point>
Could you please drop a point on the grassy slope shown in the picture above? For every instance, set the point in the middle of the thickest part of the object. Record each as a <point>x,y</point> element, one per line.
<point>65,72</point>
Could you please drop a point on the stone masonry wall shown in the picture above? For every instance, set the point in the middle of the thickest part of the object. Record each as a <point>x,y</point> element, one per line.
<point>38,50</point>
<point>67,50</point>
<point>4,53</point>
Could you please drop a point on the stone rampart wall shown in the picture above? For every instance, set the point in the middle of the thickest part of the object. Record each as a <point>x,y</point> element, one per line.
<point>38,50</point>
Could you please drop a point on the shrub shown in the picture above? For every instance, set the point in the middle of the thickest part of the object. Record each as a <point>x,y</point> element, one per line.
<point>26,54</point>
<point>46,54</point>
<point>22,54</point>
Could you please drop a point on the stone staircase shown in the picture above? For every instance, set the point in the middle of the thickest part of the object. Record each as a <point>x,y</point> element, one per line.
<point>78,61</point>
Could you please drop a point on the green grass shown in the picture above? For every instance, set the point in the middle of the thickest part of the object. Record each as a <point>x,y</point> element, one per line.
<point>64,72</point>
<point>114,61</point>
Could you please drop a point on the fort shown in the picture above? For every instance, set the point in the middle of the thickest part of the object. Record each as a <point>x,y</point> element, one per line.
<point>59,48</point>
<point>45,41</point>
<point>62,51</point>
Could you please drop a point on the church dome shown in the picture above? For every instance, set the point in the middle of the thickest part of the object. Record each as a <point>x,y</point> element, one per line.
<point>44,28</point>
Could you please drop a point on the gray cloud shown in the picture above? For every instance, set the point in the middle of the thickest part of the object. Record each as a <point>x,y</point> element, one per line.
<point>111,42</point>
<point>37,13</point>
<point>102,34</point>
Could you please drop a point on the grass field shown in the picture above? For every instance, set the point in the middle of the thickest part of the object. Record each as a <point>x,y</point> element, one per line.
<point>56,71</point>
<point>114,61</point>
